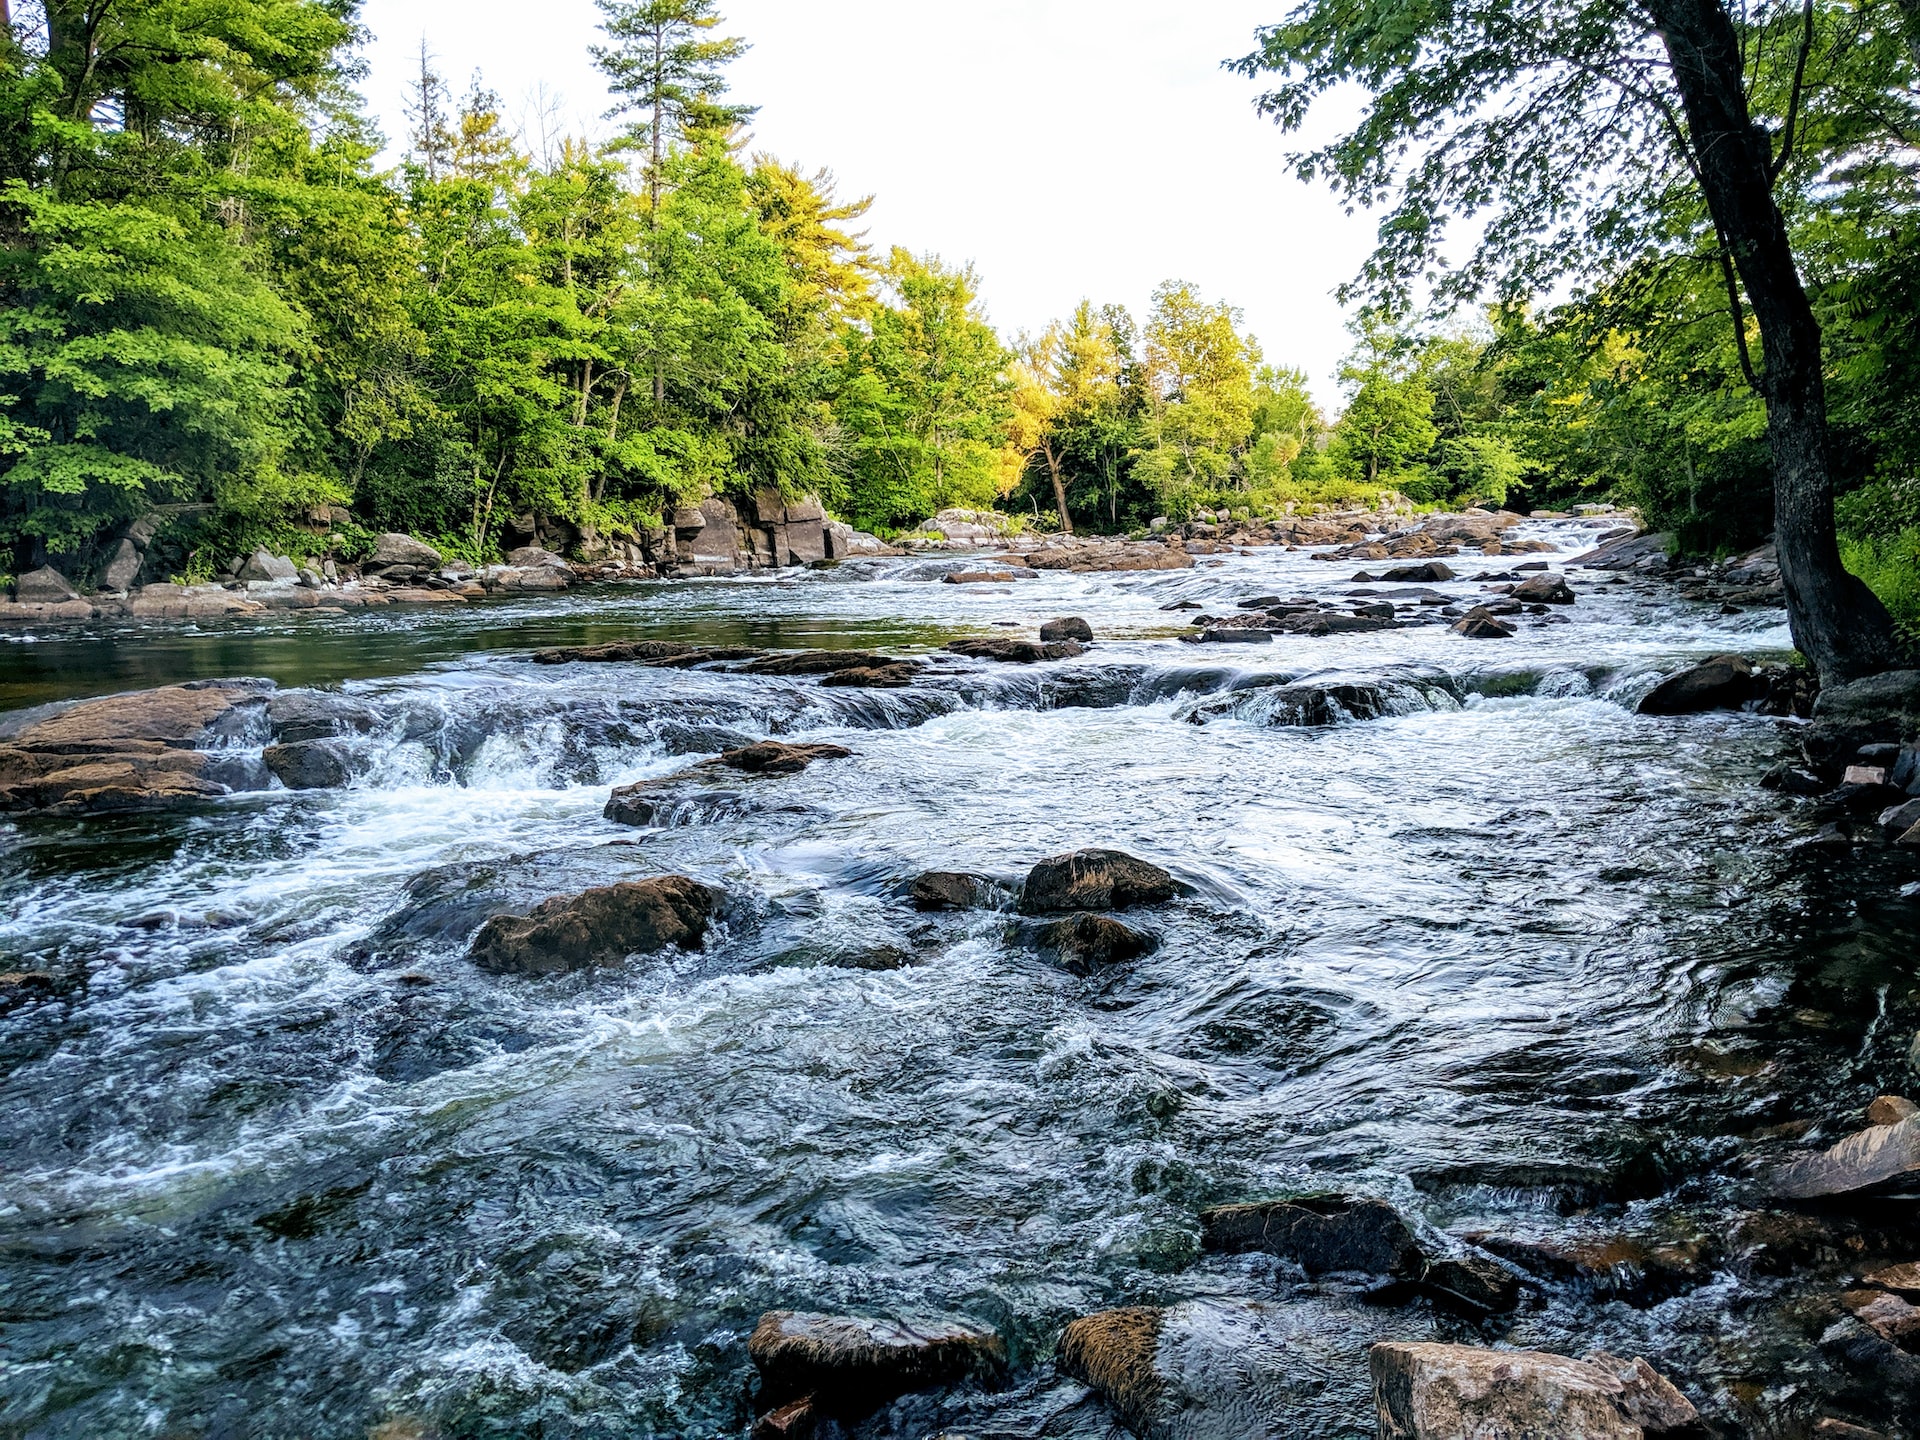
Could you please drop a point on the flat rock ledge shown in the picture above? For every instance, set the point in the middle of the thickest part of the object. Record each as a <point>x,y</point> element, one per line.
<point>597,927</point>
<point>645,802</point>
<point>815,1366</point>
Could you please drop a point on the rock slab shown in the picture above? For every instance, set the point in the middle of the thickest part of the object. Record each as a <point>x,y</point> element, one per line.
<point>1462,1392</point>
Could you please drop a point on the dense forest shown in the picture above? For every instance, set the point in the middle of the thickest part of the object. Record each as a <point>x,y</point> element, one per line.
<point>219,306</point>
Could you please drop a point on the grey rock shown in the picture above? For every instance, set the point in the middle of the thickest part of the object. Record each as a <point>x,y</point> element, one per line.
<point>124,568</point>
<point>1461,1392</point>
<point>45,586</point>
<point>394,551</point>
<point>1070,628</point>
<point>530,556</point>
<point>1726,682</point>
<point>263,566</point>
<point>1321,1234</point>
<point>307,765</point>
<point>1543,590</point>
<point>294,716</point>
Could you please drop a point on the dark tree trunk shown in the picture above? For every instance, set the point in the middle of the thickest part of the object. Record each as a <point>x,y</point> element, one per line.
<point>1838,623</point>
<point>1059,492</point>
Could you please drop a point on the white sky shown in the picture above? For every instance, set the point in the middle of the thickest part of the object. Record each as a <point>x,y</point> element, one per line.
<point>1069,148</point>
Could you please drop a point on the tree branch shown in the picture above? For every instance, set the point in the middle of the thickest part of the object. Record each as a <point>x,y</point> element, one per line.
<point>1739,320</point>
<point>1789,132</point>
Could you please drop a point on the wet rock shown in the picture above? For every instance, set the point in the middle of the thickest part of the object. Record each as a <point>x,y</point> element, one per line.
<point>1881,709</point>
<point>1725,682</point>
<point>1543,590</point>
<point>1473,1281</point>
<point>796,1420</point>
<point>26,987</point>
<point>985,577</point>
<point>297,715</point>
<point>1649,1399</point>
<point>1375,610</point>
<point>897,675</point>
<point>1084,943</point>
<point>1094,880</point>
<point>1874,1157</point>
<point>1897,820</point>
<point>1831,1429</point>
<point>1460,1392</point>
<point>1479,624</point>
<point>394,551</point>
<point>1432,572</point>
<point>1904,1277</point>
<point>1890,1110</point>
<point>660,654</point>
<point>1790,779</point>
<point>1212,1369</point>
<point>308,765</point>
<point>1070,628</point>
<point>1616,1266</point>
<point>849,1365</point>
<point>1016,652</point>
<point>820,662</point>
<point>954,890</point>
<point>1320,1233</point>
<point>263,565</point>
<point>45,586</point>
<point>1231,637</point>
<point>1628,552</point>
<point>597,927</point>
<point>773,757</point>
<point>1887,1315</point>
<point>143,751</point>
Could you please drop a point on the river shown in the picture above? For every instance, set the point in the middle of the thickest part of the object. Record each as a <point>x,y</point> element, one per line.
<point>287,1164</point>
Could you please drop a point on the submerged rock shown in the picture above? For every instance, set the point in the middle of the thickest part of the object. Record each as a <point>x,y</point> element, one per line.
<point>1211,1369</point>
<point>895,676</point>
<point>1084,943</point>
<point>1069,628</point>
<point>1881,1155</point>
<point>822,662</point>
<point>1321,1234</point>
<point>1016,652</point>
<point>1094,880</point>
<point>1726,682</point>
<point>1461,1392</point>
<point>847,1365</point>
<point>648,802</point>
<point>597,927</point>
<point>659,654</point>
<point>1234,636</point>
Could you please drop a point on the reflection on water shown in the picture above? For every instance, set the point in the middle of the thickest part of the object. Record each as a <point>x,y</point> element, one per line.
<point>281,1162</point>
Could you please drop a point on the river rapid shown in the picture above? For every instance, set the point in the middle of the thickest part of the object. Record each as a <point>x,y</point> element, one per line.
<point>282,1162</point>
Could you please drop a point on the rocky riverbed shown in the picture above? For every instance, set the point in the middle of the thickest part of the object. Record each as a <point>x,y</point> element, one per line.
<point>966,994</point>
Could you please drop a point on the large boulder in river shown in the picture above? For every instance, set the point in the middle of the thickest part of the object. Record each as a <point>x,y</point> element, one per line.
<point>1201,1370</point>
<point>1320,1233</point>
<point>1071,627</point>
<point>147,750</point>
<point>1464,1392</point>
<point>597,927</point>
<point>1542,590</point>
<point>307,765</point>
<point>1479,624</point>
<point>847,1365</point>
<point>1094,880</point>
<point>1726,682</point>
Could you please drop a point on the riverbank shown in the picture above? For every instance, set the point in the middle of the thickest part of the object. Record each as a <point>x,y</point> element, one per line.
<point>1462,930</point>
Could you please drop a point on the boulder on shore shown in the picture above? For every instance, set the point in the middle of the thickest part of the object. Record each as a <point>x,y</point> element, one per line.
<point>848,1365</point>
<point>395,551</point>
<point>264,565</point>
<point>45,586</point>
<point>1726,682</point>
<point>1094,880</point>
<point>1455,1392</point>
<point>597,927</point>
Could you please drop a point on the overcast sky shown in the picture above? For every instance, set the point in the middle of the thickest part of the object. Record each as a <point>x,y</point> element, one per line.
<point>1069,148</point>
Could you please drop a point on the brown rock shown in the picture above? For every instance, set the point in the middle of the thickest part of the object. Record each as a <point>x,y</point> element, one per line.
<point>1543,590</point>
<point>671,654</point>
<point>952,890</point>
<point>1479,624</point>
<point>1862,1161</point>
<point>820,662</point>
<point>1112,1353</point>
<point>1903,1277</point>
<point>597,927</point>
<point>795,1420</point>
<point>897,675</point>
<point>1649,1399</point>
<point>771,757</point>
<point>1889,1316</point>
<point>1890,1109</point>
<point>850,1364</point>
<point>1070,628</point>
<point>1017,652</point>
<point>1831,1429</point>
<point>1094,880</point>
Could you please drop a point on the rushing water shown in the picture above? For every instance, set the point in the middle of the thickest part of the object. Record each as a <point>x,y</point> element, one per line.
<point>1520,960</point>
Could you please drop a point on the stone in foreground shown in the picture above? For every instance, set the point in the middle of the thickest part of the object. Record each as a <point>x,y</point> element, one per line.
<point>1094,880</point>
<point>850,1364</point>
<point>1462,1392</point>
<point>1320,1233</point>
<point>597,927</point>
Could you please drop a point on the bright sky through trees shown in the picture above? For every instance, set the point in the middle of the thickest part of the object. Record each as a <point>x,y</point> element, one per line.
<point>1068,148</point>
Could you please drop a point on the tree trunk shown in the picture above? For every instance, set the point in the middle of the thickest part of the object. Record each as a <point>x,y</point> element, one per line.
<point>1837,622</point>
<point>1059,492</point>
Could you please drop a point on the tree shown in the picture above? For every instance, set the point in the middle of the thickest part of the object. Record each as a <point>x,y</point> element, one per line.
<point>1593,132</point>
<point>1200,370</point>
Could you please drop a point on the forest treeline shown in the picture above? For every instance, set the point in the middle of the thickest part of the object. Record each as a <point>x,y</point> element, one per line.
<point>217,299</point>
